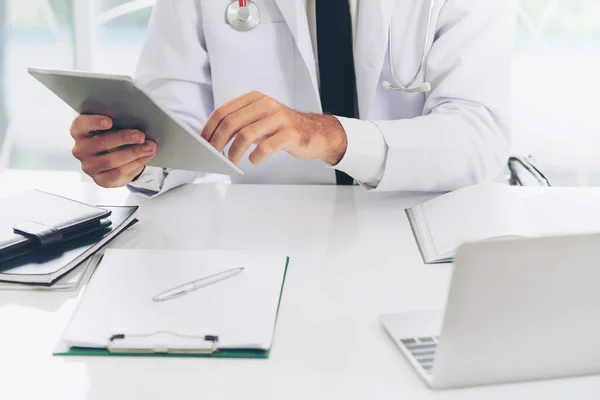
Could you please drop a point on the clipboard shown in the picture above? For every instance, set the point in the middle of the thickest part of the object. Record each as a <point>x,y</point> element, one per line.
<point>168,343</point>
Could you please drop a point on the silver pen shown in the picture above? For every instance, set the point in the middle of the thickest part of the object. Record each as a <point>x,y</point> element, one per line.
<point>189,287</point>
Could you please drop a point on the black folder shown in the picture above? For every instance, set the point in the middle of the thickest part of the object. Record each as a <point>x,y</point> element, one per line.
<point>36,221</point>
<point>45,267</point>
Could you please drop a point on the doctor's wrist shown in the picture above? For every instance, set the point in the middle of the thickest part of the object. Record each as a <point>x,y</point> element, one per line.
<point>336,140</point>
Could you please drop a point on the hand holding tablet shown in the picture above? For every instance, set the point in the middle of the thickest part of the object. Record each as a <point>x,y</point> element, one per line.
<point>112,158</point>
<point>137,132</point>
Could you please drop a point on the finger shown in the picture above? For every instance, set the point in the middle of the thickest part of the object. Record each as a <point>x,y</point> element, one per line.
<point>220,113</point>
<point>254,133</point>
<point>84,124</point>
<point>123,175</point>
<point>106,141</point>
<point>118,158</point>
<point>234,122</point>
<point>279,141</point>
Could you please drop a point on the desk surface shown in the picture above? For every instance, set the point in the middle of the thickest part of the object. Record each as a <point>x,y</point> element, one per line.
<point>353,257</point>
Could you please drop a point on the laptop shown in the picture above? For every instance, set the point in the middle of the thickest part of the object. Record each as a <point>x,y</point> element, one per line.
<point>517,310</point>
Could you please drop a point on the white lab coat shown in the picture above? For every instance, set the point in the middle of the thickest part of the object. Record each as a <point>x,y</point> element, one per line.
<point>453,136</point>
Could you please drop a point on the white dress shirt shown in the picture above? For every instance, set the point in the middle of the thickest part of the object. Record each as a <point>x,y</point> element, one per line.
<point>366,150</point>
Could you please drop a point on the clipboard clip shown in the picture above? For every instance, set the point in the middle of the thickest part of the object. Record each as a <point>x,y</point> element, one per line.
<point>162,342</point>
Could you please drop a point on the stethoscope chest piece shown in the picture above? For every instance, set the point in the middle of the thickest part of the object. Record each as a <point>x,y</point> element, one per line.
<point>243,19</point>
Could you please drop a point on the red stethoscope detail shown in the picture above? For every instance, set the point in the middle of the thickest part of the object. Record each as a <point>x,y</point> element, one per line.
<point>243,15</point>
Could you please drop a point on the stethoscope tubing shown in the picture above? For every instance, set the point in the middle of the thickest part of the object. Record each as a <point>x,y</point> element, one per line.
<point>252,17</point>
<point>398,86</point>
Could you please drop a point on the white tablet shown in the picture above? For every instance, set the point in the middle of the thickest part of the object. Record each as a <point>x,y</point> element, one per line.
<point>131,107</point>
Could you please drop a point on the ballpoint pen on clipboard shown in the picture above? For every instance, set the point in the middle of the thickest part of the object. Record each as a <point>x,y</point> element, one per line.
<point>189,287</point>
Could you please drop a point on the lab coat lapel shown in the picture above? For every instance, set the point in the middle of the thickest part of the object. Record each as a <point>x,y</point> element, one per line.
<point>374,18</point>
<point>294,13</point>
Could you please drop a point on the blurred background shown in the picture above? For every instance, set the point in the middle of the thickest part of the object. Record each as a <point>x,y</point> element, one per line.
<point>556,78</point>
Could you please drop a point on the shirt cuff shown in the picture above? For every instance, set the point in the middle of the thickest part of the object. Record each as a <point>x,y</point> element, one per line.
<point>365,155</point>
<point>150,181</point>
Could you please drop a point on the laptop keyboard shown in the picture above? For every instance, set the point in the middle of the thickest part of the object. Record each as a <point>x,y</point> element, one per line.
<point>423,350</point>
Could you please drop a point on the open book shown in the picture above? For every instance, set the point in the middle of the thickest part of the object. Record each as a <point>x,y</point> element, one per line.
<point>495,211</point>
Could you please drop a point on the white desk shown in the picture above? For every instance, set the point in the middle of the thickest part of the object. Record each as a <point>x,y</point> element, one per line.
<point>352,257</point>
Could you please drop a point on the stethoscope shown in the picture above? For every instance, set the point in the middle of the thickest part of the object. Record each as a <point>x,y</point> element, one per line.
<point>409,87</point>
<point>243,15</point>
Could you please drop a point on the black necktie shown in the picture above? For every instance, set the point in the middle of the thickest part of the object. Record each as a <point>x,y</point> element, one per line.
<point>336,63</point>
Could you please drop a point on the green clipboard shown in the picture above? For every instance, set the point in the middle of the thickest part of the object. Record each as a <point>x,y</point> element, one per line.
<point>62,349</point>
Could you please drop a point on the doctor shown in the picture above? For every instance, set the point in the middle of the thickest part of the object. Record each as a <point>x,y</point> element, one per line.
<point>398,95</point>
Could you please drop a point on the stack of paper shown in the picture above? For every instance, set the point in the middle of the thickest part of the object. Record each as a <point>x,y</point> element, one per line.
<point>71,281</point>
